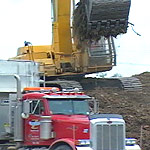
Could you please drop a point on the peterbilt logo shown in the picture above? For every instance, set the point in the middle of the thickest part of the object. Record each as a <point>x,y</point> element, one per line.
<point>85,130</point>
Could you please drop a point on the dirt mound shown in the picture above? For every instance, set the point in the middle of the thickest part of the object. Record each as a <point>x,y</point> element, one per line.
<point>133,106</point>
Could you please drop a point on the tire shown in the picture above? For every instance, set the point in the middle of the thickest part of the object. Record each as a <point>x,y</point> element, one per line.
<point>63,147</point>
<point>3,148</point>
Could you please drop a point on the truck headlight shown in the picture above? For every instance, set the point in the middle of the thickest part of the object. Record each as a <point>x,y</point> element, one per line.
<point>82,142</point>
<point>130,142</point>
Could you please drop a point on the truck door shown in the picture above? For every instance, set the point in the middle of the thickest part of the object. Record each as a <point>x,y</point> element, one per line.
<point>32,123</point>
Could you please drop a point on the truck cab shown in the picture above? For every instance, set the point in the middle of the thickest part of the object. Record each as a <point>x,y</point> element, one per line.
<point>55,118</point>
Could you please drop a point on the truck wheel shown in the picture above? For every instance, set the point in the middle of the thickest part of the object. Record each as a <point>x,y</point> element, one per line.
<point>63,147</point>
<point>3,148</point>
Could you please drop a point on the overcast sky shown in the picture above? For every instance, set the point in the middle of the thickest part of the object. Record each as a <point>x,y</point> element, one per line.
<point>30,20</point>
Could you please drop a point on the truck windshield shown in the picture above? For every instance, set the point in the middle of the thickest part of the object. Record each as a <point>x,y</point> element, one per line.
<point>69,107</point>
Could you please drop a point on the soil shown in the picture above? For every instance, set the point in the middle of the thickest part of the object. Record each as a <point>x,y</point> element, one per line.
<point>133,106</point>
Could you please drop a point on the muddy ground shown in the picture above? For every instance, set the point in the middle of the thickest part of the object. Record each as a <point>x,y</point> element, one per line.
<point>133,106</point>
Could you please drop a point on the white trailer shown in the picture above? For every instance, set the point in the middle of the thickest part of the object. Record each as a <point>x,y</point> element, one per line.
<point>28,71</point>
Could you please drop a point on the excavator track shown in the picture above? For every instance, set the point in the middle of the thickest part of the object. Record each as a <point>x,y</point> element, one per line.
<point>124,83</point>
<point>96,18</point>
<point>86,84</point>
<point>131,83</point>
<point>64,85</point>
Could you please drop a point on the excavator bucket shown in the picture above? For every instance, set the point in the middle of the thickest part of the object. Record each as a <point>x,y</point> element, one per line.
<point>96,18</point>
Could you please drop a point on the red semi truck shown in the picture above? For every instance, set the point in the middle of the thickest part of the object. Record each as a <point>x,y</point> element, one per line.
<point>46,118</point>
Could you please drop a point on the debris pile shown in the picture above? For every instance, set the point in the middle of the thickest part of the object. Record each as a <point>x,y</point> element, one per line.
<point>133,106</point>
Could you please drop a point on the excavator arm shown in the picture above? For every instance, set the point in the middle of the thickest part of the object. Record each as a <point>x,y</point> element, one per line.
<point>62,40</point>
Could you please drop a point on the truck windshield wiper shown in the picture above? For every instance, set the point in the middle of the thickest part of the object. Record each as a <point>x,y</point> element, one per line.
<point>60,113</point>
<point>80,114</point>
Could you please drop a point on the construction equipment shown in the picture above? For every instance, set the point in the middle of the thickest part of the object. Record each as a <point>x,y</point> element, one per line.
<point>125,83</point>
<point>95,23</point>
<point>94,19</point>
<point>46,118</point>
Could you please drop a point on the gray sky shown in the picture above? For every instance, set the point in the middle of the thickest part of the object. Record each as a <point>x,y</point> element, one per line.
<point>30,20</point>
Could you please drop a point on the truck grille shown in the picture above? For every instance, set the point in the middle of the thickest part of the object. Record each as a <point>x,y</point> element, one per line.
<point>110,137</point>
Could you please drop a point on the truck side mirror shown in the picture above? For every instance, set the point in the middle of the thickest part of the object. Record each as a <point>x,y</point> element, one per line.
<point>26,109</point>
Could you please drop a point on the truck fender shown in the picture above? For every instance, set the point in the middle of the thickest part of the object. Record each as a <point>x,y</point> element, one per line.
<point>66,141</point>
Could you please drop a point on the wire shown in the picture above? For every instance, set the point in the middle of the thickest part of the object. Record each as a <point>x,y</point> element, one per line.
<point>133,29</point>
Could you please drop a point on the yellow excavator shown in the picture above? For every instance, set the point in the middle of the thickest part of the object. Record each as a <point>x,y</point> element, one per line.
<point>83,34</point>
